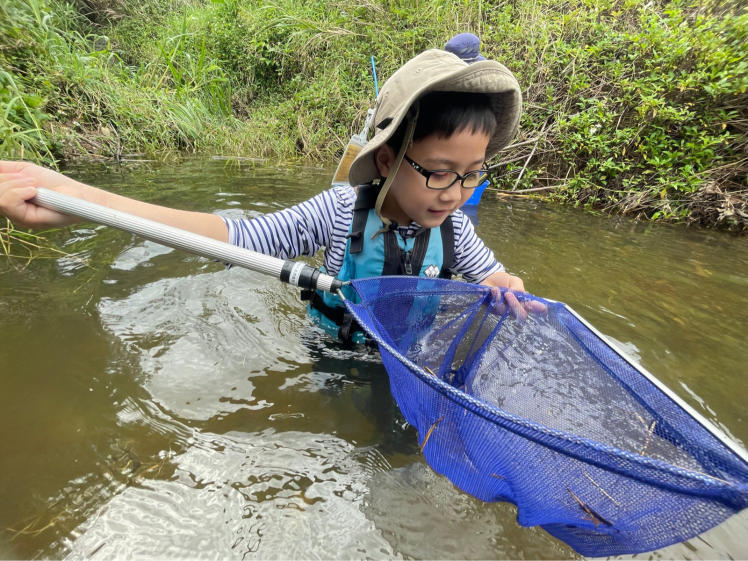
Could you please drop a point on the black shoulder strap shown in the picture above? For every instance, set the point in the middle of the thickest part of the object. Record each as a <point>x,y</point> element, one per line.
<point>391,265</point>
<point>366,197</point>
<point>418,253</point>
<point>448,247</point>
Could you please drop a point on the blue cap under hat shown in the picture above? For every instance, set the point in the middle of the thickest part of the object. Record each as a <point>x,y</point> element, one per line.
<point>466,46</point>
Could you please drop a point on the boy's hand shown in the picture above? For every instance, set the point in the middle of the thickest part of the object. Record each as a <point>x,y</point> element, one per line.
<point>18,182</point>
<point>500,302</point>
<point>519,309</point>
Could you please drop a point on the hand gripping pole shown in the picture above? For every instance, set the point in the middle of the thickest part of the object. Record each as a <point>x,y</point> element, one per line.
<point>292,272</point>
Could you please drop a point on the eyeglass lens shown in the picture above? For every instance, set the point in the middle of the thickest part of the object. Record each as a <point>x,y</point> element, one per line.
<point>444,179</point>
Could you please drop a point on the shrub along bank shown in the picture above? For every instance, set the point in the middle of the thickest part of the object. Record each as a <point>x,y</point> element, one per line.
<point>631,106</point>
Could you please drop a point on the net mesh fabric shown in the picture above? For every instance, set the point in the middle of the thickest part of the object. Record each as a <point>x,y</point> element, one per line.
<point>543,413</point>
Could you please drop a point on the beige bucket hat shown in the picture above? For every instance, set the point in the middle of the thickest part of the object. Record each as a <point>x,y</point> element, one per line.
<point>436,70</point>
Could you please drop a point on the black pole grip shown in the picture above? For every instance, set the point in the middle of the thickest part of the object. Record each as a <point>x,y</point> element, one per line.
<point>304,276</point>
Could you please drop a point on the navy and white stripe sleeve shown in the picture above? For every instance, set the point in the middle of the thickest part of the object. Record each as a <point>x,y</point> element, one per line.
<point>302,229</point>
<point>473,260</point>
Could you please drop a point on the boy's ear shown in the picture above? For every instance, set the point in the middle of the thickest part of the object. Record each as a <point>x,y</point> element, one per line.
<point>384,157</point>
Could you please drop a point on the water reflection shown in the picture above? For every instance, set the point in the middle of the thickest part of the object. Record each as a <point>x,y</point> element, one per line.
<point>267,495</point>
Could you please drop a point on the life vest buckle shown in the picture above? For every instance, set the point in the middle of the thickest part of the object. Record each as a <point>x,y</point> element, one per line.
<point>407,263</point>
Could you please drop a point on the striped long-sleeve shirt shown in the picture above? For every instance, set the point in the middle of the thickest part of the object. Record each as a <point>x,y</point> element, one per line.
<point>324,221</point>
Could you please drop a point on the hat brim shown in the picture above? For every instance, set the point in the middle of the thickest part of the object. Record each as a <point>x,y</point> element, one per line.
<point>441,71</point>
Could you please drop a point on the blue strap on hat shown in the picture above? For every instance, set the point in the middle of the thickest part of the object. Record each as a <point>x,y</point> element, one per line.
<point>466,46</point>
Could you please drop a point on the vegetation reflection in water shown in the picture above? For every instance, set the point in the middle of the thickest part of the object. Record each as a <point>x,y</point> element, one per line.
<point>157,405</point>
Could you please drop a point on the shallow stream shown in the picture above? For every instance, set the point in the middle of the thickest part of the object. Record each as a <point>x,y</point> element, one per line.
<point>156,405</point>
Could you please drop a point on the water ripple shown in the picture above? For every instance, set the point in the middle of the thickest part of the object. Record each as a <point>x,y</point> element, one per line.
<point>243,501</point>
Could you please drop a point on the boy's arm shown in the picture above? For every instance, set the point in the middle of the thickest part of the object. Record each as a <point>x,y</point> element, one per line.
<point>478,259</point>
<point>475,261</point>
<point>18,182</point>
<point>302,229</point>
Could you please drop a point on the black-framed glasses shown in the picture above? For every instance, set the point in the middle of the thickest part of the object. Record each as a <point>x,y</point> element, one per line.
<point>440,179</point>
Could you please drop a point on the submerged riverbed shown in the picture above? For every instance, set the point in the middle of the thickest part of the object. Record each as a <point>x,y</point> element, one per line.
<point>156,405</point>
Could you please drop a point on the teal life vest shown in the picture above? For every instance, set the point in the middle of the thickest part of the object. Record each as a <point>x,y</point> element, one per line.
<point>373,250</point>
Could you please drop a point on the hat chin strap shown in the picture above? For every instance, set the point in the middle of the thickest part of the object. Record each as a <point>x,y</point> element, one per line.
<point>407,139</point>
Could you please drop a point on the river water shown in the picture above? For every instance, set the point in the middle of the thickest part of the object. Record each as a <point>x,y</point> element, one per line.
<point>156,405</point>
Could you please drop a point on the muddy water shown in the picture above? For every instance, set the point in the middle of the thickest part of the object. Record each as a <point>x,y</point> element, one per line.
<point>155,405</point>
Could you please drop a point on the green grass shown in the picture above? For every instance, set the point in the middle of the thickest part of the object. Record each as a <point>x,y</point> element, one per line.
<point>633,106</point>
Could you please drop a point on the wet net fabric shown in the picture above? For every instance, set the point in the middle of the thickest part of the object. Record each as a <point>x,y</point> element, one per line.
<point>543,413</point>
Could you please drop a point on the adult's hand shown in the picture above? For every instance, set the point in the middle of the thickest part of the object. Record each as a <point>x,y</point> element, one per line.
<point>18,183</point>
<point>19,180</point>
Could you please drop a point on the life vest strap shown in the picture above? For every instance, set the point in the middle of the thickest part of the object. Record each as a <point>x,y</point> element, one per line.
<point>448,247</point>
<point>339,315</point>
<point>366,196</point>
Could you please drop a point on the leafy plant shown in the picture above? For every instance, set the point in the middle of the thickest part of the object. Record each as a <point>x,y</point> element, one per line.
<point>630,106</point>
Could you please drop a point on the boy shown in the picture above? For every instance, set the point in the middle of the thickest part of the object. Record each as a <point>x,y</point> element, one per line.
<point>437,120</point>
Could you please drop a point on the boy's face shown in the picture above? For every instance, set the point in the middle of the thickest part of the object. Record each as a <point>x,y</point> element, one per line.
<point>409,198</point>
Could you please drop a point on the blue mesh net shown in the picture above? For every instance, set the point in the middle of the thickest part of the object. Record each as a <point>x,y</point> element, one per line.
<point>543,413</point>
